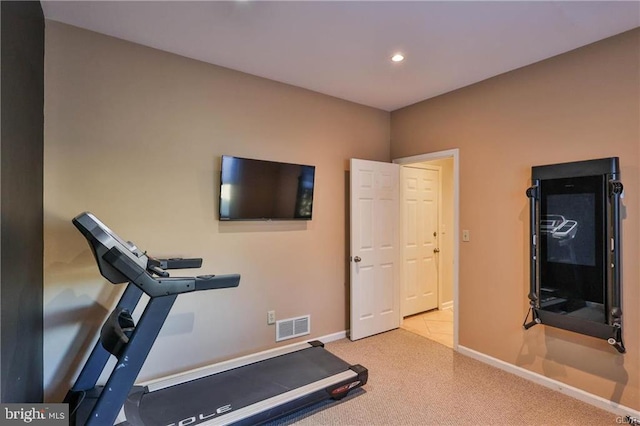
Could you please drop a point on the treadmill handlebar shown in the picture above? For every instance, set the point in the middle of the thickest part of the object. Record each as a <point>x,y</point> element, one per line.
<point>175,263</point>
<point>121,261</point>
<point>164,285</point>
<point>210,282</point>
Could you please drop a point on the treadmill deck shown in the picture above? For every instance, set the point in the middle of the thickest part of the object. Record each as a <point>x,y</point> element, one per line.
<point>214,396</point>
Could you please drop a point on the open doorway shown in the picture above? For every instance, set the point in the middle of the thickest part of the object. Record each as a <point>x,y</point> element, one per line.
<point>429,234</point>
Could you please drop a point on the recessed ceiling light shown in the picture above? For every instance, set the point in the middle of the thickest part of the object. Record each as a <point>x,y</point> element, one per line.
<point>397,57</point>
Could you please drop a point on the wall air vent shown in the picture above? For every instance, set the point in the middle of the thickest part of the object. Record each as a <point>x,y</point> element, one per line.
<point>293,327</point>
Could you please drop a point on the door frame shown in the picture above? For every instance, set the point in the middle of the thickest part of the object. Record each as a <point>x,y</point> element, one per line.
<point>439,155</point>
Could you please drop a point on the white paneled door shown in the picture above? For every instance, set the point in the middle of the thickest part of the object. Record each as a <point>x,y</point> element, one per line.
<point>419,238</point>
<point>375,250</point>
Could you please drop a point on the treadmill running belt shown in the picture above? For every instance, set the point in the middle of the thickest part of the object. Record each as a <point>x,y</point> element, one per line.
<point>236,388</point>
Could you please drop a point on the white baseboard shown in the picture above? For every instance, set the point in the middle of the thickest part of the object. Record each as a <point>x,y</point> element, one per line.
<point>446,305</point>
<point>579,394</point>
<point>332,337</point>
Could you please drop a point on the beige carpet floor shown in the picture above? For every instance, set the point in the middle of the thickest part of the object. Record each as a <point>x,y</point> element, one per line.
<point>416,381</point>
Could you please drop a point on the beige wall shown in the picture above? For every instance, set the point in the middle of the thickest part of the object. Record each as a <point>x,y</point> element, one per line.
<point>135,136</point>
<point>581,105</point>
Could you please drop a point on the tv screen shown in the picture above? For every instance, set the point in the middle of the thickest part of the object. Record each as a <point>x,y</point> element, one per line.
<point>265,190</point>
<point>572,250</point>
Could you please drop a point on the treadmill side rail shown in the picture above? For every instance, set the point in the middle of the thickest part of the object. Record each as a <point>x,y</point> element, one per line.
<point>341,390</point>
<point>264,410</point>
<point>196,373</point>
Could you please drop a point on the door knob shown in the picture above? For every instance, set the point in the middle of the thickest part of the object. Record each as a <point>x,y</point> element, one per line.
<point>436,250</point>
<point>357,259</point>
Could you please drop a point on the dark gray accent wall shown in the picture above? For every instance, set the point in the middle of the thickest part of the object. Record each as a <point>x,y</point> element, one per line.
<point>21,228</point>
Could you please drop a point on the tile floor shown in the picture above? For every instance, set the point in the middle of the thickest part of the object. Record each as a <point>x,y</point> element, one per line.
<point>435,325</point>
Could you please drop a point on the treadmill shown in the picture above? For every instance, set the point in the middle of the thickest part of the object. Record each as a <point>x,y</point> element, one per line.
<point>245,391</point>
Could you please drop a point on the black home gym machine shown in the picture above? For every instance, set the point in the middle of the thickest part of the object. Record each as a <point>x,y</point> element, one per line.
<point>575,275</point>
<point>234,392</point>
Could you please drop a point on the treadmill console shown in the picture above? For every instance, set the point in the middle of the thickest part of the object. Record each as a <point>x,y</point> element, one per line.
<point>102,239</point>
<point>121,262</point>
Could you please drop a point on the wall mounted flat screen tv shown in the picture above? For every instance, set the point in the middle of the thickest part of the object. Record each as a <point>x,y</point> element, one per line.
<point>265,190</point>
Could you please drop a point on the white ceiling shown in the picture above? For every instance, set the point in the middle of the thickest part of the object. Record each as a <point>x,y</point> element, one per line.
<point>342,49</point>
